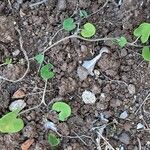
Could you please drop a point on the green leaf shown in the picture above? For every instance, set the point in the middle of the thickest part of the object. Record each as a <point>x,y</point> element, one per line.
<point>88,31</point>
<point>69,24</point>
<point>83,14</point>
<point>8,61</point>
<point>122,41</point>
<point>39,58</point>
<point>46,72</point>
<point>146,53</point>
<point>143,32</point>
<point>53,140</point>
<point>10,123</point>
<point>63,109</point>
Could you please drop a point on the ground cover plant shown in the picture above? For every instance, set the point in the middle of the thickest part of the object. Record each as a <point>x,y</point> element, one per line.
<point>75,27</point>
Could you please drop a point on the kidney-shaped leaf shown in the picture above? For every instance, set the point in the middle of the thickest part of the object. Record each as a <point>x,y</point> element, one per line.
<point>88,30</point>
<point>122,41</point>
<point>39,58</point>
<point>10,123</point>
<point>46,71</point>
<point>146,53</point>
<point>143,31</point>
<point>53,140</point>
<point>69,24</point>
<point>63,109</point>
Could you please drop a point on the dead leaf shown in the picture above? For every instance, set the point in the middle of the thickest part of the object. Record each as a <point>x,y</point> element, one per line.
<point>26,145</point>
<point>19,94</point>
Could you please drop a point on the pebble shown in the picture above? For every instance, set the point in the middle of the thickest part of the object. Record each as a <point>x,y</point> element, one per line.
<point>61,5</point>
<point>18,104</point>
<point>123,115</point>
<point>124,138</point>
<point>82,73</point>
<point>123,52</point>
<point>88,97</point>
<point>131,89</point>
<point>139,126</point>
<point>50,125</point>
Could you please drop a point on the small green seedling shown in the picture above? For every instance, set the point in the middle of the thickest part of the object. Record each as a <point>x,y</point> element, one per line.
<point>10,123</point>
<point>122,41</point>
<point>83,14</point>
<point>143,32</point>
<point>69,24</point>
<point>88,31</point>
<point>8,61</point>
<point>146,53</point>
<point>46,72</point>
<point>63,109</point>
<point>53,140</point>
<point>39,58</point>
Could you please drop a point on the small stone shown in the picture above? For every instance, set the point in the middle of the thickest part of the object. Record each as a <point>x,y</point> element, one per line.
<point>61,5</point>
<point>123,52</point>
<point>97,73</point>
<point>19,94</point>
<point>88,97</point>
<point>82,73</point>
<point>123,115</point>
<point>18,104</point>
<point>124,138</point>
<point>131,89</point>
<point>139,126</point>
<point>16,53</point>
<point>50,125</point>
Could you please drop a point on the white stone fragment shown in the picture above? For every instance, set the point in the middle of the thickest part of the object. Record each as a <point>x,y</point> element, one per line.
<point>90,64</point>
<point>139,126</point>
<point>50,125</point>
<point>18,104</point>
<point>88,97</point>
<point>123,115</point>
<point>131,89</point>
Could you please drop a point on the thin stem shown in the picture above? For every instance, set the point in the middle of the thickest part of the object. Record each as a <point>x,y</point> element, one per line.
<point>22,112</point>
<point>42,101</point>
<point>147,97</point>
<point>43,97</point>
<point>50,43</point>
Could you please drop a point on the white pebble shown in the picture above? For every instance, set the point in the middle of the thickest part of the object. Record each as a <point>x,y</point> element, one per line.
<point>123,115</point>
<point>131,89</point>
<point>139,126</point>
<point>18,104</point>
<point>50,125</point>
<point>88,97</point>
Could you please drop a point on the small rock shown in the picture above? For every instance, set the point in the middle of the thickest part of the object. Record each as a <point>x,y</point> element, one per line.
<point>82,73</point>
<point>90,64</point>
<point>19,94</point>
<point>88,97</point>
<point>18,104</point>
<point>61,5</point>
<point>50,125</point>
<point>123,52</point>
<point>16,52</point>
<point>139,126</point>
<point>124,138</point>
<point>123,115</point>
<point>131,89</point>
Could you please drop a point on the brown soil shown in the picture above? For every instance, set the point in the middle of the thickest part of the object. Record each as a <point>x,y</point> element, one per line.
<point>122,65</point>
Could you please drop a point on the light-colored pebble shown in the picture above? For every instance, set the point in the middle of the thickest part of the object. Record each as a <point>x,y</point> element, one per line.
<point>123,115</point>
<point>139,126</point>
<point>88,97</point>
<point>131,89</point>
<point>18,104</point>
